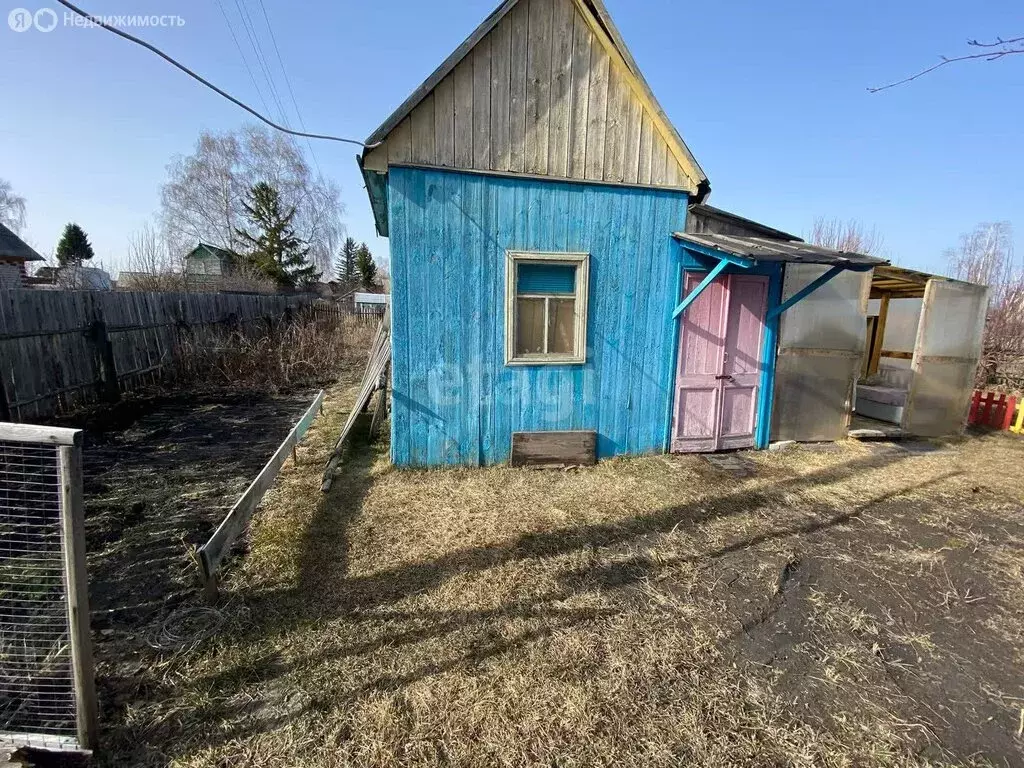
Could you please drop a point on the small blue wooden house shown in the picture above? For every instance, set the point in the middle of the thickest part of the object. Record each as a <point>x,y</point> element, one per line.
<point>556,269</point>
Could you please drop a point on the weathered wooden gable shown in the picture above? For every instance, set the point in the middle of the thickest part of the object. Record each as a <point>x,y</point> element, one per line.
<point>548,90</point>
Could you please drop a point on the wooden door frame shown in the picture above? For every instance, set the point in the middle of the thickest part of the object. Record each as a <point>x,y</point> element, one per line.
<point>769,342</point>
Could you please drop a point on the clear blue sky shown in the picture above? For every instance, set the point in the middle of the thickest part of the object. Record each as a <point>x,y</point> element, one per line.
<point>770,97</point>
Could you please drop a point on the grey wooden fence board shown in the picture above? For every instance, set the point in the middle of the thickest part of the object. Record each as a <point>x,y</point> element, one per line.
<point>48,353</point>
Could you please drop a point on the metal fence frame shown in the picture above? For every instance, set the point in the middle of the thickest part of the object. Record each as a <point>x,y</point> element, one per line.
<point>67,445</point>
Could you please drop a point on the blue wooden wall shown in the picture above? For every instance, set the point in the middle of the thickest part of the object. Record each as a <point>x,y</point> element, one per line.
<point>455,401</point>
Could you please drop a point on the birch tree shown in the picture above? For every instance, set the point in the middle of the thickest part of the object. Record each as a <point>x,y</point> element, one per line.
<point>204,196</point>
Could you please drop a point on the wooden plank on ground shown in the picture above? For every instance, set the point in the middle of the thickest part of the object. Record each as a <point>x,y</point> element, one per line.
<point>213,552</point>
<point>551,449</point>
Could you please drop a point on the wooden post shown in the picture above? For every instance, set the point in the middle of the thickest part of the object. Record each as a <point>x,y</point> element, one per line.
<point>107,386</point>
<point>5,408</point>
<point>879,335</point>
<point>77,584</point>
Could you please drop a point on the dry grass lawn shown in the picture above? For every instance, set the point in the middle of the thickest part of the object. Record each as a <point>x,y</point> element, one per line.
<point>847,607</point>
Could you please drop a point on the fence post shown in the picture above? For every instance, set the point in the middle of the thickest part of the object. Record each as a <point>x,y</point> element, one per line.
<point>5,408</point>
<point>77,581</point>
<point>107,386</point>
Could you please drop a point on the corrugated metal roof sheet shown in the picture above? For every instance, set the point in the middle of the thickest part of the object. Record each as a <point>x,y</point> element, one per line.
<point>766,249</point>
<point>13,247</point>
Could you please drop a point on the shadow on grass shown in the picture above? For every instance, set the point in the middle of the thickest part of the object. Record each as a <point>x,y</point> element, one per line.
<point>325,591</point>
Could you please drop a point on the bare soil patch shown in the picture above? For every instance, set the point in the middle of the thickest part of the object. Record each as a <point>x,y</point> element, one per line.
<point>840,608</point>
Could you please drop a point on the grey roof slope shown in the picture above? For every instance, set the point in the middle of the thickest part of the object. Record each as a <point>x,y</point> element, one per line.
<point>13,247</point>
<point>772,250</point>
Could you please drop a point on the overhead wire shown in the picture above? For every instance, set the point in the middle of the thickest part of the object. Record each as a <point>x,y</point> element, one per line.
<point>288,83</point>
<point>241,54</point>
<point>178,65</point>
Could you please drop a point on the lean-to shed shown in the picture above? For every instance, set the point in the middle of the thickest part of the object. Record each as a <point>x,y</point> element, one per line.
<point>559,284</point>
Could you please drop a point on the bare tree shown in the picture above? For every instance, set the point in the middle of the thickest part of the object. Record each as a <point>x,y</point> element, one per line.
<point>12,208</point>
<point>993,51</point>
<point>985,256</point>
<point>851,236</point>
<point>150,265</point>
<point>203,196</point>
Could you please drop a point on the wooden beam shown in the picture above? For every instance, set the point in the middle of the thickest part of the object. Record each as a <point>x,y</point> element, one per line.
<point>702,251</point>
<point>710,278</point>
<point>213,552</point>
<point>878,336</point>
<point>804,292</point>
<point>77,578</point>
<point>31,433</point>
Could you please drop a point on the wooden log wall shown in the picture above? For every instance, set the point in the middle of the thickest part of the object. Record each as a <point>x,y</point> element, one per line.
<point>59,349</point>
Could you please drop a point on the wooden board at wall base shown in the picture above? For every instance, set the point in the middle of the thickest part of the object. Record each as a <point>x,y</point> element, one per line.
<point>554,449</point>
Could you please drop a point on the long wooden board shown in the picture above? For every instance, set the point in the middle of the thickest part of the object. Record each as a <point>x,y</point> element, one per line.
<point>213,552</point>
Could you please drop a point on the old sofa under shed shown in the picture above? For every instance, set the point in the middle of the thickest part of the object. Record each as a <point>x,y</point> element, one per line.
<point>555,266</point>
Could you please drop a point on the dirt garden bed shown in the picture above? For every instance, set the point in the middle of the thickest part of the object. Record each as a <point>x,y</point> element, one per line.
<point>861,605</point>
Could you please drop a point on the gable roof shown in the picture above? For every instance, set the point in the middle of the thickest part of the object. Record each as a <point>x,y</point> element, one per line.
<point>578,106</point>
<point>13,247</point>
<point>212,250</point>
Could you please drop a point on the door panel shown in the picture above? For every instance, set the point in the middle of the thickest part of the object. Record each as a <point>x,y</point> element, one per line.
<point>719,369</point>
<point>748,297</point>
<point>701,348</point>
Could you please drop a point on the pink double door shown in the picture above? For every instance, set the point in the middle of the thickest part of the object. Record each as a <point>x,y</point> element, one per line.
<point>718,375</point>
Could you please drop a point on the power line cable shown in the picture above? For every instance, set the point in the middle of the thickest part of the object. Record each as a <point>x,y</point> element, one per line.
<point>173,62</point>
<point>241,53</point>
<point>288,83</point>
<point>250,31</point>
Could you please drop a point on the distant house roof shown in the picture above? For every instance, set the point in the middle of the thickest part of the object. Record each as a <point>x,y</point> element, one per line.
<point>371,298</point>
<point>13,247</point>
<point>212,250</point>
<point>776,250</point>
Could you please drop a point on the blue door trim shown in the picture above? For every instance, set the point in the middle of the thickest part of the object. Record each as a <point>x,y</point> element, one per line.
<point>699,262</point>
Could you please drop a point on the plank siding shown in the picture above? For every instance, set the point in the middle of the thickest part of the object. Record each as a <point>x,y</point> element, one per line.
<point>482,105</point>
<point>501,41</point>
<point>463,80</point>
<point>580,100</point>
<point>517,87</point>
<point>538,85</point>
<point>597,113</point>
<point>539,94</point>
<point>455,401</point>
<point>561,88</point>
<point>444,123</point>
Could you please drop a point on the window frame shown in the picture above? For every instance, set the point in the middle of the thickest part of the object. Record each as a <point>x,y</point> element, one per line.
<point>582,263</point>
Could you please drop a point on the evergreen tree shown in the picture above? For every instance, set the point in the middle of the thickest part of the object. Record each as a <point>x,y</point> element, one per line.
<point>366,268</point>
<point>275,249</point>
<point>74,246</point>
<point>345,266</point>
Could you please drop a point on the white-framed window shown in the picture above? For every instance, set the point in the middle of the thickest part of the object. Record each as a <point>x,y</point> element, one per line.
<point>546,308</point>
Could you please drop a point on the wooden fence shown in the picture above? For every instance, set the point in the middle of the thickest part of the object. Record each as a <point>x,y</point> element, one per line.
<point>62,348</point>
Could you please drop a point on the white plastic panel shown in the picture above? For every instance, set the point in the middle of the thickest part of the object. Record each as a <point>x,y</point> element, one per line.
<point>901,325</point>
<point>821,345</point>
<point>946,356</point>
<point>832,317</point>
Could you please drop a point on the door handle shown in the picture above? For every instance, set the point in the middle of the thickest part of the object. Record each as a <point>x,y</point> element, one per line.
<point>725,376</point>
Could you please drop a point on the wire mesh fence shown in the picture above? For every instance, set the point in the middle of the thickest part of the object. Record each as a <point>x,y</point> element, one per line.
<point>46,697</point>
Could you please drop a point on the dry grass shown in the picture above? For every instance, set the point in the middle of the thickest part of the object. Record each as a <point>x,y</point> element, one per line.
<point>305,352</point>
<point>645,612</point>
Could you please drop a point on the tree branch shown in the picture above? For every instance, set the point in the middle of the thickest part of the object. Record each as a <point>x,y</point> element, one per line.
<point>1005,47</point>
